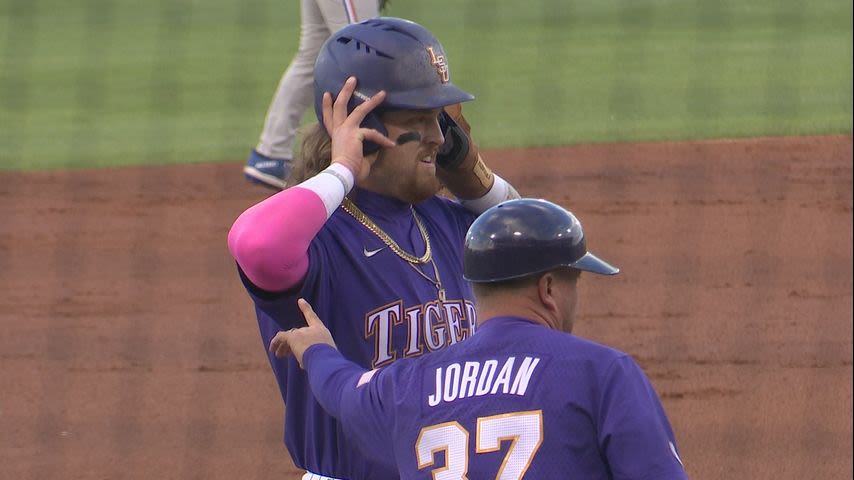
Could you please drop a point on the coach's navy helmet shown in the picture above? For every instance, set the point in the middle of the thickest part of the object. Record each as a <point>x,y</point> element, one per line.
<point>527,236</point>
<point>391,54</point>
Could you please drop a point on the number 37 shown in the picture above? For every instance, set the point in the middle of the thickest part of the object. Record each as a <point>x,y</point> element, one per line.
<point>523,429</point>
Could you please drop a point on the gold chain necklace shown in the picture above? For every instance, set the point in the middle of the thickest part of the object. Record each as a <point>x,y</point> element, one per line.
<point>411,260</point>
<point>437,283</point>
<point>359,215</point>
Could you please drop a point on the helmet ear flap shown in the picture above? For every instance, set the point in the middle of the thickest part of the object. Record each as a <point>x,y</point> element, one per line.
<point>372,120</point>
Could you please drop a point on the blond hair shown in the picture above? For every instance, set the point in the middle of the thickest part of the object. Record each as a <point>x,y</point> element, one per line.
<point>314,155</point>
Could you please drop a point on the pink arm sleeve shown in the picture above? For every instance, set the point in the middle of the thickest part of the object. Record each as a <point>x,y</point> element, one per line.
<point>270,240</point>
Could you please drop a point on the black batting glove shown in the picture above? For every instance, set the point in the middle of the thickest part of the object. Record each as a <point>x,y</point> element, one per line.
<point>456,147</point>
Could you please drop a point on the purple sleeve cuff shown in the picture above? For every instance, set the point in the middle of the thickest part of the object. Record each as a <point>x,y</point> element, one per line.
<point>329,373</point>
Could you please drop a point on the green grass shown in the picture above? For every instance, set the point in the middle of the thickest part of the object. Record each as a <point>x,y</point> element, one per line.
<point>97,83</point>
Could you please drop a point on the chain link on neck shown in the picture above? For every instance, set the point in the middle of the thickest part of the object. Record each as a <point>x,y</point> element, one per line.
<point>360,216</point>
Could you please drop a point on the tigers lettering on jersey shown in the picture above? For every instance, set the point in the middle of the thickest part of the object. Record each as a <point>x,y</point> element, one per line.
<point>433,325</point>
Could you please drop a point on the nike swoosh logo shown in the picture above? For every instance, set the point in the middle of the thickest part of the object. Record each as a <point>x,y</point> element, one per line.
<point>371,253</point>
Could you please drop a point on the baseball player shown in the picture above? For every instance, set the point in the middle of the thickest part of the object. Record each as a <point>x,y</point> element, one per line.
<point>523,398</point>
<point>362,233</point>
<point>271,160</point>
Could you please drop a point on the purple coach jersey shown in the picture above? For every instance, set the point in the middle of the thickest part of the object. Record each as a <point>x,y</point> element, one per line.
<point>518,400</point>
<point>378,308</point>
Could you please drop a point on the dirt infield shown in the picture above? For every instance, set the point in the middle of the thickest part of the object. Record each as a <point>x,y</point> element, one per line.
<point>129,349</point>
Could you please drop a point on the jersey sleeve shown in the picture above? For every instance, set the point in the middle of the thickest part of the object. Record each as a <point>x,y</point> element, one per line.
<point>463,217</point>
<point>270,240</point>
<point>358,398</point>
<point>634,433</point>
<point>281,308</point>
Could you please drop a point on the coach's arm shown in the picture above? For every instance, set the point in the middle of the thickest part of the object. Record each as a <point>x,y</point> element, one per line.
<point>342,387</point>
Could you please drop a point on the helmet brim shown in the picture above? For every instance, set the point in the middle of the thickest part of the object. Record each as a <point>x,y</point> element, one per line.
<point>427,98</point>
<point>594,264</point>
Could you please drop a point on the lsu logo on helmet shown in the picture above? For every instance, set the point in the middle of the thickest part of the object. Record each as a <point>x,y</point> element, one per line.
<point>438,61</point>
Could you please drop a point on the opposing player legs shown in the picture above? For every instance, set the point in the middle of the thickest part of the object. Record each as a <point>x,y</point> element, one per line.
<point>270,162</point>
<point>319,19</point>
<point>338,13</point>
<point>295,92</point>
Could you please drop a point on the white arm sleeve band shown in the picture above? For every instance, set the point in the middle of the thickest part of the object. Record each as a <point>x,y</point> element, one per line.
<point>331,185</point>
<point>500,191</point>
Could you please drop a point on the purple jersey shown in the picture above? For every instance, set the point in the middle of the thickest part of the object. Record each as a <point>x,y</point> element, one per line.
<point>518,400</point>
<point>378,308</point>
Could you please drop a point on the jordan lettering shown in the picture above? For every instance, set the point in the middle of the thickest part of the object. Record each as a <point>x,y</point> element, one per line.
<point>475,379</point>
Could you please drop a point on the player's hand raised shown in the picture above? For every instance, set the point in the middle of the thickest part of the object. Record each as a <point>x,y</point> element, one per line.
<point>297,340</point>
<point>346,133</point>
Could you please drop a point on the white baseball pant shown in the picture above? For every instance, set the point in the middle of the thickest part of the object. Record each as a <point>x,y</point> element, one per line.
<point>319,20</point>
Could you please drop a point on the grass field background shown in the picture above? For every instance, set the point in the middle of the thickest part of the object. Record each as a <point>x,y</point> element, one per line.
<point>103,83</point>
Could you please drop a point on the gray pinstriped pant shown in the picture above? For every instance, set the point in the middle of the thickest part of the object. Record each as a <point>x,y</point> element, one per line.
<point>295,93</point>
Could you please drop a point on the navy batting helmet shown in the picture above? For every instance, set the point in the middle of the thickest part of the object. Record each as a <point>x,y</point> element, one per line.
<point>391,54</point>
<point>524,237</point>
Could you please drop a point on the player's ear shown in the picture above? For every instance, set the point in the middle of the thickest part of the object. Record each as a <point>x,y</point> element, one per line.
<point>546,291</point>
